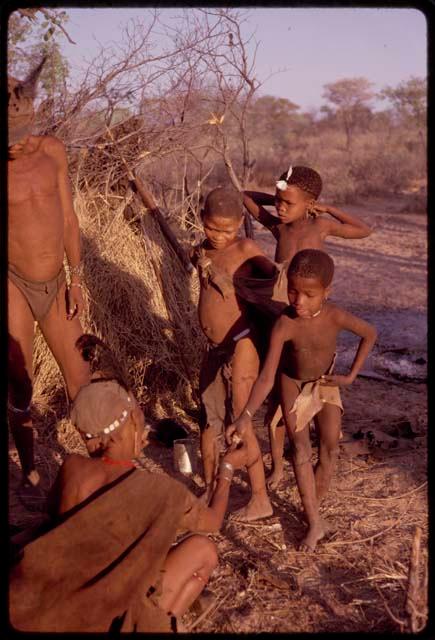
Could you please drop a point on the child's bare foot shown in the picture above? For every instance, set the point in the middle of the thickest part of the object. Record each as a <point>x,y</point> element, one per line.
<point>315,533</point>
<point>256,509</point>
<point>275,478</point>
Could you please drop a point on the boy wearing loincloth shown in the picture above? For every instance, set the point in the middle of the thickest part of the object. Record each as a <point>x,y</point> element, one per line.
<point>297,226</point>
<point>231,361</point>
<point>303,344</point>
<point>111,558</point>
<point>42,226</point>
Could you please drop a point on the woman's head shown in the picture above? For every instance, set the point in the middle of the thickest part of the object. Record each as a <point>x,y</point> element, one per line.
<point>105,411</point>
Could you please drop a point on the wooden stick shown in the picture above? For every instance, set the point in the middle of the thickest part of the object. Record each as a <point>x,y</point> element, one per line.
<point>413,582</point>
<point>150,204</point>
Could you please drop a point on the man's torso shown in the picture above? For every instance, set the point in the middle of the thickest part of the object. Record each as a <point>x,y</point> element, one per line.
<point>35,233</point>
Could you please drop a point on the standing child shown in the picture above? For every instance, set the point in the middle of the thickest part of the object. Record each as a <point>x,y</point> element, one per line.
<point>304,340</point>
<point>298,226</point>
<point>231,362</point>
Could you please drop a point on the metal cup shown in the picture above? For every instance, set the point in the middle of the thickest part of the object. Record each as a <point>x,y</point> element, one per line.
<point>185,456</point>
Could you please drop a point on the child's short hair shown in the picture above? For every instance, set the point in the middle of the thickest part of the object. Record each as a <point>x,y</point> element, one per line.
<point>312,263</point>
<point>305,178</point>
<point>225,202</point>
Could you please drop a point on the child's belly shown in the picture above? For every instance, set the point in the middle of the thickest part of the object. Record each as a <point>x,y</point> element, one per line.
<point>305,363</point>
<point>220,319</point>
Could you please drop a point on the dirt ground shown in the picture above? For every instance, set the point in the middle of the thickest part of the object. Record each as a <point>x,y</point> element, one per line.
<point>357,579</point>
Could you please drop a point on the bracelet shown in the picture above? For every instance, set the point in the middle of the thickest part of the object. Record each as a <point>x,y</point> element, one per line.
<point>77,270</point>
<point>248,413</point>
<point>226,465</point>
<point>76,284</point>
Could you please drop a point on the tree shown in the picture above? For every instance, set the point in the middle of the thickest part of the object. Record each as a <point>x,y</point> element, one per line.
<point>409,101</point>
<point>351,98</point>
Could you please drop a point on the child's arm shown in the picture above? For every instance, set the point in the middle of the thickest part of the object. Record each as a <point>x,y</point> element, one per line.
<point>347,227</point>
<point>368,334</point>
<point>253,201</point>
<point>265,380</point>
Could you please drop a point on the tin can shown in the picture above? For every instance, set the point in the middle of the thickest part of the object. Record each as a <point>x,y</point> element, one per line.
<point>185,456</point>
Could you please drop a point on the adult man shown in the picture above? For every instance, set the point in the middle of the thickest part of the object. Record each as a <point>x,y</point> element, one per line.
<point>42,227</point>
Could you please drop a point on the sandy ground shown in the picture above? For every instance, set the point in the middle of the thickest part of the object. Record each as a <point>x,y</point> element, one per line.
<point>357,579</point>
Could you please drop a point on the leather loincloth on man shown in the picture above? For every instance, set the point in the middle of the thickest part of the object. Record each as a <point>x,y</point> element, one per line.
<point>39,295</point>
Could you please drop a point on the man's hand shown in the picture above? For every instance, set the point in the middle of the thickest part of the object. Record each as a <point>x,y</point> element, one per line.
<point>75,301</point>
<point>239,426</point>
<point>333,381</point>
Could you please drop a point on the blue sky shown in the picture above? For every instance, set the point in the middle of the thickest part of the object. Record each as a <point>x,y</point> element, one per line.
<point>311,47</point>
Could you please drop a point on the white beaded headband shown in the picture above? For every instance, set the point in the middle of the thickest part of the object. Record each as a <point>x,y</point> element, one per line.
<point>283,184</point>
<point>113,425</point>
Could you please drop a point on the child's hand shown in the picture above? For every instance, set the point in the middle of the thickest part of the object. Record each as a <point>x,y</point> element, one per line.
<point>317,208</point>
<point>341,381</point>
<point>239,426</point>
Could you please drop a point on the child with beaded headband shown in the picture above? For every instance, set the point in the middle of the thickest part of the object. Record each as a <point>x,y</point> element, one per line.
<point>298,225</point>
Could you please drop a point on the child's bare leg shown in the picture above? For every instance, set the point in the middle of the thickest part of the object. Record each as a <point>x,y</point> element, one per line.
<point>209,455</point>
<point>186,572</point>
<point>276,438</point>
<point>328,423</point>
<point>244,373</point>
<point>303,469</point>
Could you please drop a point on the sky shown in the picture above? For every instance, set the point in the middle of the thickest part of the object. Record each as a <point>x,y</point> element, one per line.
<point>308,47</point>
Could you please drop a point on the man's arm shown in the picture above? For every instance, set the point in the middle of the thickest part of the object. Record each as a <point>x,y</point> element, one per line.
<point>253,201</point>
<point>347,226</point>
<point>71,234</point>
<point>348,322</point>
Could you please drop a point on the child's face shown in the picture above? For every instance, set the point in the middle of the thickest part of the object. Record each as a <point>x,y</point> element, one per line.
<point>306,295</point>
<point>292,203</point>
<point>220,231</point>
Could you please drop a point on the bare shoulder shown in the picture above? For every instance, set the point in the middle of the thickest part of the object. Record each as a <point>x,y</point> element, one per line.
<point>249,246</point>
<point>322,224</point>
<point>339,316</point>
<point>53,147</point>
<point>284,326</point>
<point>74,462</point>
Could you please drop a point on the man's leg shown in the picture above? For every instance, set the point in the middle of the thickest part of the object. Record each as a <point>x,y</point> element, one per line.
<point>328,424</point>
<point>20,374</point>
<point>61,335</point>
<point>187,569</point>
<point>303,469</point>
<point>244,373</point>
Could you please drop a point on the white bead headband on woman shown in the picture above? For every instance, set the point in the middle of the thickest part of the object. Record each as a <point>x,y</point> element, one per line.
<point>112,426</point>
<point>283,184</point>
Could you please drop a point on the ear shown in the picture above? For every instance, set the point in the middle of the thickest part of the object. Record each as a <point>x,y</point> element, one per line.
<point>241,221</point>
<point>327,292</point>
<point>27,87</point>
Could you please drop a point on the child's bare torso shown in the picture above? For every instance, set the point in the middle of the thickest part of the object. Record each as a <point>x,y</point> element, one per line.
<point>223,317</point>
<point>293,238</point>
<point>35,233</point>
<point>309,352</point>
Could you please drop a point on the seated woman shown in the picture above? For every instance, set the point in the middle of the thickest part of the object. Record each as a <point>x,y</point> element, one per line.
<point>108,563</point>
